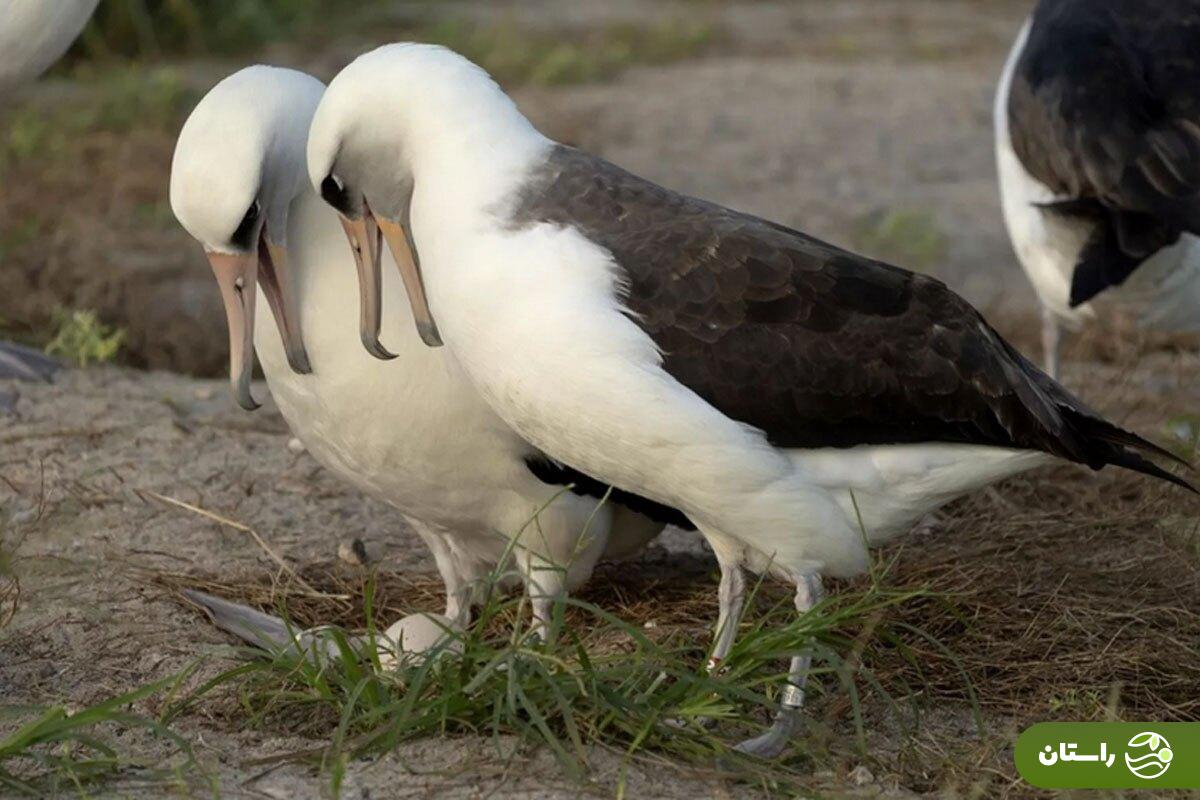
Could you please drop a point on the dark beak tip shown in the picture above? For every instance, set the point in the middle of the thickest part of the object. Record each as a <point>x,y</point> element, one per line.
<point>243,397</point>
<point>376,349</point>
<point>430,335</point>
<point>299,363</point>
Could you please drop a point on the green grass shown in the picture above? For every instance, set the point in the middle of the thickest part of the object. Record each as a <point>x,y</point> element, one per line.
<point>600,682</point>
<point>82,339</point>
<point>55,751</point>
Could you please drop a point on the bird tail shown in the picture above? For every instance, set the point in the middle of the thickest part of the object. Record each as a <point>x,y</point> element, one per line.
<point>261,630</point>
<point>1121,448</point>
<point>1095,441</point>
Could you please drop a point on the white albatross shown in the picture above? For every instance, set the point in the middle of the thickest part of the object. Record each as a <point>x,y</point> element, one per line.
<point>33,35</point>
<point>766,384</point>
<point>411,432</point>
<point>1098,149</point>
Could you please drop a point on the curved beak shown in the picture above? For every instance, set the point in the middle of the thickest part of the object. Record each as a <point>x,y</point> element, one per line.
<point>274,278</point>
<point>405,255</point>
<point>364,238</point>
<point>236,275</point>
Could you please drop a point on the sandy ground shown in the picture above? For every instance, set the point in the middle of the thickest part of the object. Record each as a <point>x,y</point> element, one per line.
<point>816,114</point>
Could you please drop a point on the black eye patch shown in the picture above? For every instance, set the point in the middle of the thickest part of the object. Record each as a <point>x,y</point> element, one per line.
<point>333,193</point>
<point>243,237</point>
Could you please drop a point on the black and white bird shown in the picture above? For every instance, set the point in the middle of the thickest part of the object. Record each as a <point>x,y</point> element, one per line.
<point>1098,147</point>
<point>797,402</point>
<point>411,431</point>
<point>33,35</point>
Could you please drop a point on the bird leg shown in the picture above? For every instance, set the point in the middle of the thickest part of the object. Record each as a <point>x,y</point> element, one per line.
<point>545,583</point>
<point>1051,341</point>
<point>788,718</point>
<point>731,600</point>
<point>731,597</point>
<point>460,588</point>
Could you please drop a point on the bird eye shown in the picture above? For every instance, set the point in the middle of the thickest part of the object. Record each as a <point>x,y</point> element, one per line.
<point>243,237</point>
<point>333,192</point>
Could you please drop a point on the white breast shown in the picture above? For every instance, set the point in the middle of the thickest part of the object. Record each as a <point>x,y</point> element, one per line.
<point>408,431</point>
<point>1047,246</point>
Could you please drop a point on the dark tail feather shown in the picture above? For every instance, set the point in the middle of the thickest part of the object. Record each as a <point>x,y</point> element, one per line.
<point>1104,431</point>
<point>1128,459</point>
<point>1120,448</point>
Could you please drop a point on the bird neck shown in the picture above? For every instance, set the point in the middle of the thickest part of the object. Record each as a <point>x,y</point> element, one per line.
<point>473,142</point>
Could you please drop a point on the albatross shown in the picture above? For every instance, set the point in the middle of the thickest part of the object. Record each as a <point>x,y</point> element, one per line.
<point>1098,148</point>
<point>33,35</point>
<point>411,432</point>
<point>797,402</point>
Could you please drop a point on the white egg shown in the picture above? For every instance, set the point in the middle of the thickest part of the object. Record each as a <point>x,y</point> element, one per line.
<point>411,637</point>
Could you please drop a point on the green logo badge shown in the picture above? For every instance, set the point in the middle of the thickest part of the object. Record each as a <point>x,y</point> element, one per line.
<point>1110,755</point>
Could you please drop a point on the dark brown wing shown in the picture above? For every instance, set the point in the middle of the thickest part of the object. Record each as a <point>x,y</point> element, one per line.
<point>811,344</point>
<point>1105,110</point>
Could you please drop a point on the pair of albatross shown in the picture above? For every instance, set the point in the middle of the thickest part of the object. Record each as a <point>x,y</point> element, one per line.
<point>411,432</point>
<point>796,402</point>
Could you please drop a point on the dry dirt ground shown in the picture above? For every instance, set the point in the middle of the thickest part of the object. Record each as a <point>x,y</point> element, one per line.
<point>828,116</point>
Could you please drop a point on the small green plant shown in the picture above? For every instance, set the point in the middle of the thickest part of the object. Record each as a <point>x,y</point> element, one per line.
<point>914,239</point>
<point>1078,704</point>
<point>82,339</point>
<point>54,750</point>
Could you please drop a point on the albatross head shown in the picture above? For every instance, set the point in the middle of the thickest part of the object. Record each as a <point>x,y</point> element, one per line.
<point>239,164</point>
<point>390,113</point>
<point>360,160</point>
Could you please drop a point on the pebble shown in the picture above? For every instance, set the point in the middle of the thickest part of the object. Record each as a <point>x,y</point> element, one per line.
<point>861,776</point>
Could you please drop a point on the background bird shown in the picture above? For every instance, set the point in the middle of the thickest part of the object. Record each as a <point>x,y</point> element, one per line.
<point>33,35</point>
<point>1098,148</point>
<point>409,431</point>
<point>796,401</point>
